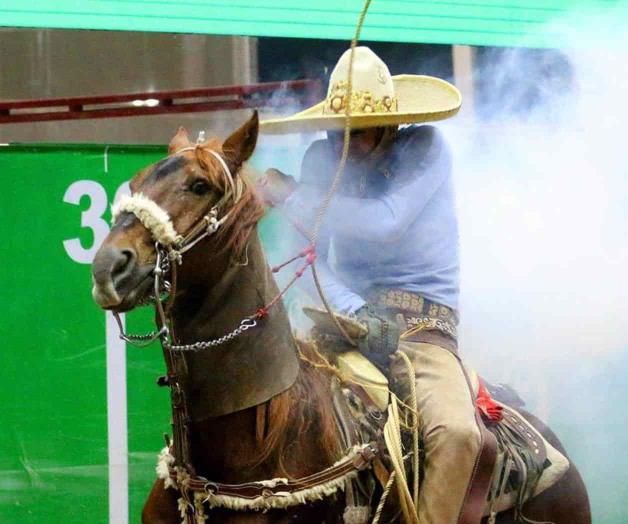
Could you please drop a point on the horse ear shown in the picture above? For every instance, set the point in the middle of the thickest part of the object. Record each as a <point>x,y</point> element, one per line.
<point>179,141</point>
<point>239,147</point>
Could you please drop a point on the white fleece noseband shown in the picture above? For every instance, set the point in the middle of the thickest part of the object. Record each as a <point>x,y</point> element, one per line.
<point>157,220</point>
<point>151,215</point>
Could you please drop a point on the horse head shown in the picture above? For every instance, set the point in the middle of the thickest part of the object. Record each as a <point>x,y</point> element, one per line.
<point>197,188</point>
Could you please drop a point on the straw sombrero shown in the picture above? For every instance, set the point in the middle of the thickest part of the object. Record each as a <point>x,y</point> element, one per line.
<point>378,99</point>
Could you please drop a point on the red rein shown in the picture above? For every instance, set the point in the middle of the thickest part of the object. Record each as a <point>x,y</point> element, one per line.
<point>309,253</point>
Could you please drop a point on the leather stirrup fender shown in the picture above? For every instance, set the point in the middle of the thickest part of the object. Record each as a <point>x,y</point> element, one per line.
<point>472,509</point>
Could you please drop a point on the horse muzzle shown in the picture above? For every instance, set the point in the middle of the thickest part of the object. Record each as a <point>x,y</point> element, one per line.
<point>119,280</point>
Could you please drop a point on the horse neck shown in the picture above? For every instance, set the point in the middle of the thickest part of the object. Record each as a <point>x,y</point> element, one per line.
<point>248,399</point>
<point>219,288</point>
<point>214,296</point>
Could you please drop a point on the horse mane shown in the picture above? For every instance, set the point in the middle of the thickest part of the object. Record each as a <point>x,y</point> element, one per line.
<point>305,408</point>
<point>245,213</point>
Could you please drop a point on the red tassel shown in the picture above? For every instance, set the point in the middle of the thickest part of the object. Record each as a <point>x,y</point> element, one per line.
<point>487,406</point>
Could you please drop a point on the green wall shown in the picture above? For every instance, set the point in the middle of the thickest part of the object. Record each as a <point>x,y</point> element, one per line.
<point>475,22</point>
<point>53,444</point>
<point>54,458</point>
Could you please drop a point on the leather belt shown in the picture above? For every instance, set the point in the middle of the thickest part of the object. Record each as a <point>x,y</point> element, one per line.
<point>411,303</point>
<point>419,314</point>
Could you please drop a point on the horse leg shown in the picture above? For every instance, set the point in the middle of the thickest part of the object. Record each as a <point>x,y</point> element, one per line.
<point>161,506</point>
<point>566,502</point>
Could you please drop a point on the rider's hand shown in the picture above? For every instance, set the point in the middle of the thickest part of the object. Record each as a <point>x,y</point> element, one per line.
<point>380,340</point>
<point>383,334</point>
<point>275,186</point>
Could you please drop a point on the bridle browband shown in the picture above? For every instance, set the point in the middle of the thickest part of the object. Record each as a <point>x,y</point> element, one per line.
<point>157,220</point>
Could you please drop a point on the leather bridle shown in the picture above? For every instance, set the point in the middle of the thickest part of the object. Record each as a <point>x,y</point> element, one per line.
<point>170,247</point>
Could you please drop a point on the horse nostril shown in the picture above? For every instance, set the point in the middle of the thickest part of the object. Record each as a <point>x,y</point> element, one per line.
<point>112,271</point>
<point>123,265</point>
<point>128,254</point>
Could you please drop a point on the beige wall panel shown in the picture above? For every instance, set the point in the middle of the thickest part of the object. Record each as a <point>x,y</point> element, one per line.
<point>62,63</point>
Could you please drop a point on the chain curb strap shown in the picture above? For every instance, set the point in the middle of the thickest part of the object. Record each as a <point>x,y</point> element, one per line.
<point>245,325</point>
<point>162,266</point>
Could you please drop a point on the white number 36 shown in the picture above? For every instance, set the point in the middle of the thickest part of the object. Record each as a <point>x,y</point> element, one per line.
<point>91,218</point>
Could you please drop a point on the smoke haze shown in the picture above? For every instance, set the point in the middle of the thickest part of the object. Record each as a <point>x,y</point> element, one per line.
<point>542,193</point>
<point>542,197</point>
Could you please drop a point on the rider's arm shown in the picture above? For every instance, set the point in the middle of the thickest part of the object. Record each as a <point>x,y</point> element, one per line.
<point>302,205</point>
<point>303,214</point>
<point>425,166</point>
<point>340,297</point>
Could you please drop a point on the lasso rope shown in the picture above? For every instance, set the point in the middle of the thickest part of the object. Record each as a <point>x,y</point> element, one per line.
<point>382,501</point>
<point>345,378</point>
<point>392,437</point>
<point>414,411</point>
<point>347,130</point>
<point>320,215</point>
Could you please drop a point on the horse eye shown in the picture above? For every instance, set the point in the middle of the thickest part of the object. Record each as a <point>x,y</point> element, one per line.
<point>200,188</point>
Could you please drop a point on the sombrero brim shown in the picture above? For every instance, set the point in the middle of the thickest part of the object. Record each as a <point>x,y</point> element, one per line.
<point>420,98</point>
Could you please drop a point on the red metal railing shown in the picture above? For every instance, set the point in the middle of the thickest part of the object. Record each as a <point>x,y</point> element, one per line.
<point>162,102</point>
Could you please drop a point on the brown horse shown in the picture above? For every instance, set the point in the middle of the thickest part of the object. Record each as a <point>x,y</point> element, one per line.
<point>255,410</point>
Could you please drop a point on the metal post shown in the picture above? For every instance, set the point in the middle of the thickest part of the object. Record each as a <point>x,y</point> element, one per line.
<point>463,61</point>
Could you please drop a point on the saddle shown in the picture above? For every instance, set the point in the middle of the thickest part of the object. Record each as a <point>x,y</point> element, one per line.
<point>525,465</point>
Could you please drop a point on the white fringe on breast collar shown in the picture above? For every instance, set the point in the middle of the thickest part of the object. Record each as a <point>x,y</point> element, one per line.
<point>277,501</point>
<point>150,214</point>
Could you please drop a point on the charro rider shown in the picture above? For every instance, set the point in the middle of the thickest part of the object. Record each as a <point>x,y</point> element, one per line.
<point>394,233</point>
